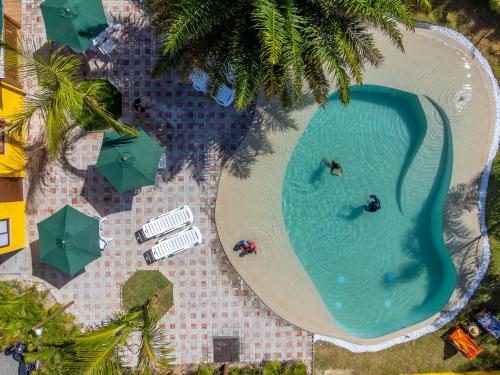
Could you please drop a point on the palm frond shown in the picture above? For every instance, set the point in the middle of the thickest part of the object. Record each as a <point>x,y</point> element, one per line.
<point>96,351</point>
<point>362,42</point>
<point>271,25</point>
<point>277,44</point>
<point>245,62</point>
<point>153,353</point>
<point>315,77</point>
<point>193,19</point>
<point>292,52</point>
<point>60,102</point>
<point>274,80</point>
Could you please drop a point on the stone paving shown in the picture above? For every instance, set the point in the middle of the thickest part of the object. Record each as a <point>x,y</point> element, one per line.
<point>209,297</point>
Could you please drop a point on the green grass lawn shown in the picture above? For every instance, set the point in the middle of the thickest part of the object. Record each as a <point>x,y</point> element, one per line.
<point>430,353</point>
<point>144,284</point>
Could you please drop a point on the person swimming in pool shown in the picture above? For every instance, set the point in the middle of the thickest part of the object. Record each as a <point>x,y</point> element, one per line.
<point>335,168</point>
<point>373,203</point>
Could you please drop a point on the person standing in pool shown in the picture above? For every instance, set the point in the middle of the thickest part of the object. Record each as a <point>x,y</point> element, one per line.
<point>373,203</point>
<point>335,168</point>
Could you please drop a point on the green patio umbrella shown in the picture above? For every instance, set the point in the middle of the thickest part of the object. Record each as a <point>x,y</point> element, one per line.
<point>73,22</point>
<point>69,240</point>
<point>128,162</point>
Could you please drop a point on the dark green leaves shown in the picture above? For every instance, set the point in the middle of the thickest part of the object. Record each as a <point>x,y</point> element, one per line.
<point>278,45</point>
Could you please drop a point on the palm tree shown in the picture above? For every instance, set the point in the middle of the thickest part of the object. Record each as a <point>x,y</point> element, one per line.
<point>21,308</point>
<point>97,351</point>
<point>61,347</point>
<point>62,98</point>
<point>278,44</point>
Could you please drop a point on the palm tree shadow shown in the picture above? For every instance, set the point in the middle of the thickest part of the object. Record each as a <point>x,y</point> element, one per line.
<point>463,244</point>
<point>268,119</point>
<point>37,172</point>
<point>174,110</point>
<point>317,174</point>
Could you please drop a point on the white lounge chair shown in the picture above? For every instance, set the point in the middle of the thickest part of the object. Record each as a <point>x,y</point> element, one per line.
<point>225,96</point>
<point>168,222</point>
<point>177,243</point>
<point>200,80</point>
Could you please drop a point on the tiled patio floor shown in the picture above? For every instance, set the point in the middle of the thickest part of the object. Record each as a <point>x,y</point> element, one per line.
<point>209,297</point>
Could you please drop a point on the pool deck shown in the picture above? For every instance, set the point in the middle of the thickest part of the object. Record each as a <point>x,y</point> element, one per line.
<point>210,299</point>
<point>249,195</point>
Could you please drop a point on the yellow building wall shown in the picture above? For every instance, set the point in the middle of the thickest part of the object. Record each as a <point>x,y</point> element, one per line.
<point>15,212</point>
<point>12,163</point>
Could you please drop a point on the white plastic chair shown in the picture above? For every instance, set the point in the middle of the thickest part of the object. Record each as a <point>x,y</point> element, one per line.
<point>104,242</point>
<point>199,80</point>
<point>168,222</point>
<point>177,243</point>
<point>111,24</point>
<point>100,39</point>
<point>225,96</point>
<point>163,161</point>
<point>101,220</point>
<point>107,47</point>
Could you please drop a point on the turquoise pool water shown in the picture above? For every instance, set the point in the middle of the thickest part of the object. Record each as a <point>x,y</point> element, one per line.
<point>376,272</point>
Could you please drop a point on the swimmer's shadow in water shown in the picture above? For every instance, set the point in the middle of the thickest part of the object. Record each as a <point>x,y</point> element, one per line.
<point>352,212</point>
<point>317,175</point>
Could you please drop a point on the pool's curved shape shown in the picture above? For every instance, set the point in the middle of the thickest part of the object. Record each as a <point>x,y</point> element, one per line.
<point>376,272</point>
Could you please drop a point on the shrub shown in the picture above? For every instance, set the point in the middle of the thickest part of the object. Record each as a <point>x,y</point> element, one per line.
<point>272,368</point>
<point>247,370</point>
<point>495,5</point>
<point>297,368</point>
<point>204,369</point>
<point>109,97</point>
<point>145,284</point>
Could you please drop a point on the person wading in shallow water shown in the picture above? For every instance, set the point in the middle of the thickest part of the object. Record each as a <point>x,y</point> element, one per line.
<point>373,203</point>
<point>247,247</point>
<point>335,168</point>
<point>139,109</point>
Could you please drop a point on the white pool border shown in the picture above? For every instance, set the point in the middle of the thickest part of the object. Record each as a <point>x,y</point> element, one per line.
<point>483,187</point>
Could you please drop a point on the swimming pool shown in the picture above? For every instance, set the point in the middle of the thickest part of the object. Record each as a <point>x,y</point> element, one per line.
<point>376,272</point>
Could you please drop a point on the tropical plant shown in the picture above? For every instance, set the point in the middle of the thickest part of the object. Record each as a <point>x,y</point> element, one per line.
<point>21,308</point>
<point>110,99</point>
<point>495,5</point>
<point>278,44</point>
<point>204,369</point>
<point>98,351</point>
<point>297,368</point>
<point>272,368</point>
<point>62,97</point>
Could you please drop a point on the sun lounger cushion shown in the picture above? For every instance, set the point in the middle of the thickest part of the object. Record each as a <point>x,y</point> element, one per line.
<point>175,244</point>
<point>168,222</point>
<point>463,342</point>
<point>489,322</point>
